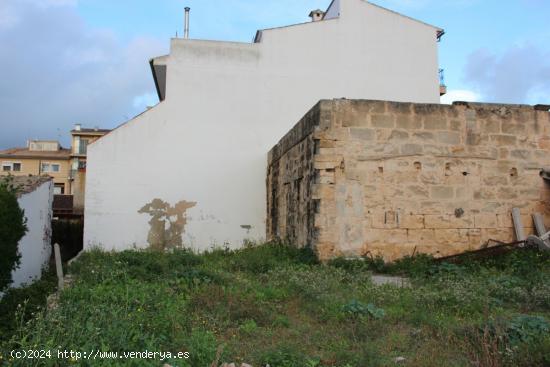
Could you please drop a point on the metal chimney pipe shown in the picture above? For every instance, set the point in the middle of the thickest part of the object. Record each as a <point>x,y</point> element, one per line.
<point>186,23</point>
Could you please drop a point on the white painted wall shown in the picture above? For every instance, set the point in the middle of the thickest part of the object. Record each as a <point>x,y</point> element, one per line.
<point>333,10</point>
<point>34,247</point>
<point>228,103</point>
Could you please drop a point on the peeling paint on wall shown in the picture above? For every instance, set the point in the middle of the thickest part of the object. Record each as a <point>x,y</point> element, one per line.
<point>160,237</point>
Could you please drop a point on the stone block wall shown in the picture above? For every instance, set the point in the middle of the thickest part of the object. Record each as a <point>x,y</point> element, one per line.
<point>355,177</point>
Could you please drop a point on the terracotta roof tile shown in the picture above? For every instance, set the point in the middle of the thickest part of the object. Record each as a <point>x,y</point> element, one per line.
<point>62,153</point>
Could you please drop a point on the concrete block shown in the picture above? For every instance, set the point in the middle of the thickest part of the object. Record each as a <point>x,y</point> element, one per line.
<point>383,121</point>
<point>442,192</point>
<point>324,143</point>
<point>437,221</point>
<point>505,221</point>
<point>490,126</point>
<point>512,128</point>
<point>503,140</point>
<point>507,193</point>
<point>424,136</point>
<point>411,149</point>
<point>362,133</point>
<point>435,123</point>
<point>411,221</point>
<point>408,122</point>
<point>464,222</point>
<point>421,236</point>
<point>474,238</point>
<point>398,135</point>
<point>386,236</point>
<point>321,192</point>
<point>521,154</point>
<point>418,191</point>
<point>450,237</point>
<point>448,137</point>
<point>456,125</point>
<point>485,221</point>
<point>495,180</point>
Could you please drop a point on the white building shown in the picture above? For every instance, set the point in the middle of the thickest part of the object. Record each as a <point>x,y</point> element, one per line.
<point>35,196</point>
<point>225,104</point>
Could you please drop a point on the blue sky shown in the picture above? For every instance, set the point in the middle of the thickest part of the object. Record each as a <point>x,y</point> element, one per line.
<point>86,61</point>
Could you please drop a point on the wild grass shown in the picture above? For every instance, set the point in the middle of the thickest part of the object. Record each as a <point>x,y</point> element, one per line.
<point>276,304</point>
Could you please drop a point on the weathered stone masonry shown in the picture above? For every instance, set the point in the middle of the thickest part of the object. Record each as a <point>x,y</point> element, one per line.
<point>356,176</point>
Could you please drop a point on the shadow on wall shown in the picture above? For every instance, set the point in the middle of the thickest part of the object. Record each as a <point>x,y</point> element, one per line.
<point>68,234</point>
<point>160,237</point>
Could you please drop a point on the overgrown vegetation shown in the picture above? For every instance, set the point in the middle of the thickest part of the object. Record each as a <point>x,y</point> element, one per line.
<point>12,229</point>
<point>275,304</point>
<point>19,305</point>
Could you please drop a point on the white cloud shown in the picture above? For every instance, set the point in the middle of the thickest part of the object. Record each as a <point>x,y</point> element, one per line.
<point>460,95</point>
<point>145,100</point>
<point>61,71</point>
<point>50,3</point>
<point>8,16</point>
<point>520,74</point>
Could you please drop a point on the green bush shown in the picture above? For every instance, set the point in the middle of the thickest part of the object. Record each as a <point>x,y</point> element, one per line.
<point>12,229</point>
<point>356,309</point>
<point>527,328</point>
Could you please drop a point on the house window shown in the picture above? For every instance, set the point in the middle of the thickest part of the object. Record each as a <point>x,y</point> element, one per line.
<point>59,189</point>
<point>83,148</point>
<point>6,167</point>
<point>49,167</point>
<point>16,167</point>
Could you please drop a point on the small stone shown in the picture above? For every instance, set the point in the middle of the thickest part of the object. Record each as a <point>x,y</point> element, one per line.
<point>245,365</point>
<point>399,359</point>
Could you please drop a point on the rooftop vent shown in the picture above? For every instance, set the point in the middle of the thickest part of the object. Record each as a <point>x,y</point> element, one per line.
<point>316,15</point>
<point>186,23</point>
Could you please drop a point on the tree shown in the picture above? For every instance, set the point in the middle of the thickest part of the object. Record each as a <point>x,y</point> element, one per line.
<point>12,228</point>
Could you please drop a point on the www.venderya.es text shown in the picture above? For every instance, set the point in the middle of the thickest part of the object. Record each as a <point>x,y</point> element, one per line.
<point>94,354</point>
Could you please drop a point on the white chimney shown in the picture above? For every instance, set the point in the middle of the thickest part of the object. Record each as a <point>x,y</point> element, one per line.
<point>316,15</point>
<point>186,23</point>
<point>77,127</point>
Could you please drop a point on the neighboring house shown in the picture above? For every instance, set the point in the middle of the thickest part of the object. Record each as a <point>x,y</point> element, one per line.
<point>81,137</point>
<point>35,196</point>
<point>192,169</point>
<point>40,157</point>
